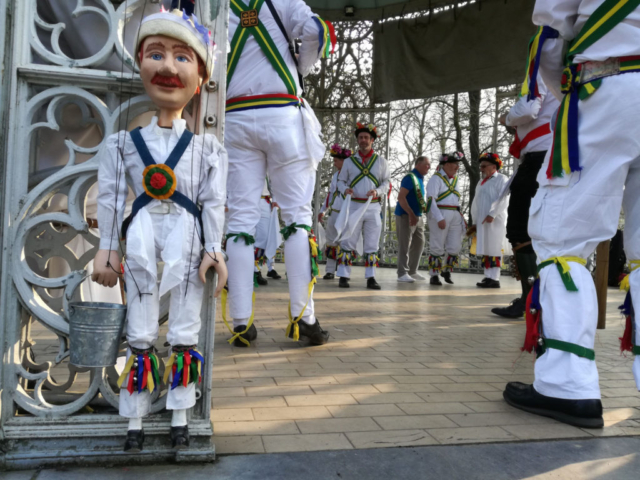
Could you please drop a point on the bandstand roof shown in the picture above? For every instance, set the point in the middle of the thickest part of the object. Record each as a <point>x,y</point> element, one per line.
<point>375,9</point>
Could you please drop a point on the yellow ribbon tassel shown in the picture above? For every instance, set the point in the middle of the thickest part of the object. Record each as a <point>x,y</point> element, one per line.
<point>564,262</point>
<point>224,318</point>
<point>294,323</point>
<point>167,369</point>
<point>127,369</point>
<point>624,284</point>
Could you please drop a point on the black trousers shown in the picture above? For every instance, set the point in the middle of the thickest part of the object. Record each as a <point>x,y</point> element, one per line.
<point>523,188</point>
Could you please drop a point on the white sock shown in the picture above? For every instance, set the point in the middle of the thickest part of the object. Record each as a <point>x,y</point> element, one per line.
<point>179,418</point>
<point>237,322</point>
<point>309,321</point>
<point>135,424</point>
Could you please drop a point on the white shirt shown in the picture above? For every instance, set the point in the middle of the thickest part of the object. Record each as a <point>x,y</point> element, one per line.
<point>333,190</point>
<point>487,201</point>
<point>254,74</point>
<point>380,170</point>
<point>201,175</point>
<point>527,115</point>
<point>568,17</point>
<point>436,187</point>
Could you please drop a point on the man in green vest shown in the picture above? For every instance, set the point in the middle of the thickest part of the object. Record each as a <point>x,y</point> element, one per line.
<point>410,211</point>
<point>591,62</point>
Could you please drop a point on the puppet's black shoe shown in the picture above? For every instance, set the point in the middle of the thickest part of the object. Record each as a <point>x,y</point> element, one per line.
<point>260,280</point>
<point>447,277</point>
<point>344,282</point>
<point>315,333</point>
<point>134,441</point>
<point>372,284</point>
<point>249,336</point>
<point>273,274</point>
<point>579,413</point>
<point>514,310</point>
<point>180,437</point>
<point>435,280</point>
<point>329,276</point>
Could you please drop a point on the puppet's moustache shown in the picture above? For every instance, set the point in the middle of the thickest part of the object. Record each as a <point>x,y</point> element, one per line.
<point>166,81</point>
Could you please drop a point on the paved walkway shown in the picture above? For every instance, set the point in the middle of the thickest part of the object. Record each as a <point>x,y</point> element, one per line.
<point>409,365</point>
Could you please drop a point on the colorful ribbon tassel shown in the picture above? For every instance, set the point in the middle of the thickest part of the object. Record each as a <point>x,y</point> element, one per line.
<point>143,372</point>
<point>435,263</point>
<point>627,341</point>
<point>185,367</point>
<point>452,261</point>
<point>372,260</point>
<point>530,84</point>
<point>491,262</point>
<point>532,316</point>
<point>332,252</point>
<point>347,258</point>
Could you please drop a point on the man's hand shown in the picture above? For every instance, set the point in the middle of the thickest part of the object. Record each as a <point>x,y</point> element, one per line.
<point>208,261</point>
<point>106,268</point>
<point>413,219</point>
<point>503,119</point>
<point>274,205</point>
<point>471,230</point>
<point>320,217</point>
<point>372,193</point>
<point>489,219</point>
<point>348,191</point>
<point>442,224</point>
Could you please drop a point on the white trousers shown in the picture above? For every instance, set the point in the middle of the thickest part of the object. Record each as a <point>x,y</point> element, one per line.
<point>331,234</point>
<point>370,226</point>
<point>569,216</point>
<point>493,273</point>
<point>447,240</point>
<point>143,312</point>
<point>269,142</point>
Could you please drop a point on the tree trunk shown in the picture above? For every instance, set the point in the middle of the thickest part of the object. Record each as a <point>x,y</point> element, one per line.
<point>472,166</point>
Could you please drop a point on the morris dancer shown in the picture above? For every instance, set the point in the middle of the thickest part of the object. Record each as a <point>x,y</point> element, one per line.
<point>271,131</point>
<point>332,206</point>
<point>180,182</point>
<point>446,225</point>
<point>489,212</point>
<point>262,237</point>
<point>364,174</point>
<point>529,119</point>
<point>592,171</point>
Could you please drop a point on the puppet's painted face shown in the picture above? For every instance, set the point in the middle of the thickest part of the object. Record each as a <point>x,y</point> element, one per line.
<point>170,71</point>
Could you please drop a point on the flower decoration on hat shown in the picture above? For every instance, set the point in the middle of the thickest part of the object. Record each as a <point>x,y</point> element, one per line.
<point>450,157</point>
<point>492,158</point>
<point>339,152</point>
<point>369,128</point>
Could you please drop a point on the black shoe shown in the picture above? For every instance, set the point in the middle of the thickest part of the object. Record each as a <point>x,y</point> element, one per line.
<point>344,282</point>
<point>180,437</point>
<point>579,413</point>
<point>250,336</point>
<point>315,333</point>
<point>490,283</point>
<point>435,280</point>
<point>514,310</point>
<point>273,274</point>
<point>447,277</point>
<point>329,276</point>
<point>372,284</point>
<point>259,279</point>
<point>482,283</point>
<point>134,441</point>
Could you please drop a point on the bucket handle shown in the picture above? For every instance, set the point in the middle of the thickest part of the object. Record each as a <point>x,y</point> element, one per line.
<point>69,295</point>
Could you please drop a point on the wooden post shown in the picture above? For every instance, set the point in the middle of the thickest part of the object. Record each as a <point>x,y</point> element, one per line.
<point>601,280</point>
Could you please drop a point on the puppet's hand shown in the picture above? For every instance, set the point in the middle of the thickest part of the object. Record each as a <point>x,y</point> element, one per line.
<point>215,260</point>
<point>106,268</point>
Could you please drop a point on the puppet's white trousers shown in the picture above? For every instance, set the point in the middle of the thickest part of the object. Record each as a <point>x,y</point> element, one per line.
<point>331,234</point>
<point>369,226</point>
<point>446,240</point>
<point>162,238</point>
<point>271,142</point>
<point>570,215</point>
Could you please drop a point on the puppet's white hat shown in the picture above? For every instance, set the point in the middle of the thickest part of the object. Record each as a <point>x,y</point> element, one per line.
<point>179,25</point>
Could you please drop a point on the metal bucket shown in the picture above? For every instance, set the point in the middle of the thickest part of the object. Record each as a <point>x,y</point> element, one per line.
<point>95,330</point>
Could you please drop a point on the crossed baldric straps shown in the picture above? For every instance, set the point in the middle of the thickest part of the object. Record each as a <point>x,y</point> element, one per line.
<point>365,171</point>
<point>451,190</point>
<point>159,180</point>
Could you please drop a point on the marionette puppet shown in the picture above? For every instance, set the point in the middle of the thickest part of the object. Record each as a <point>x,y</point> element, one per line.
<point>179,180</point>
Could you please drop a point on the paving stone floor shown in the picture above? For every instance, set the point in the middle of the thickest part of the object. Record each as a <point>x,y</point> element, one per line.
<point>409,365</point>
